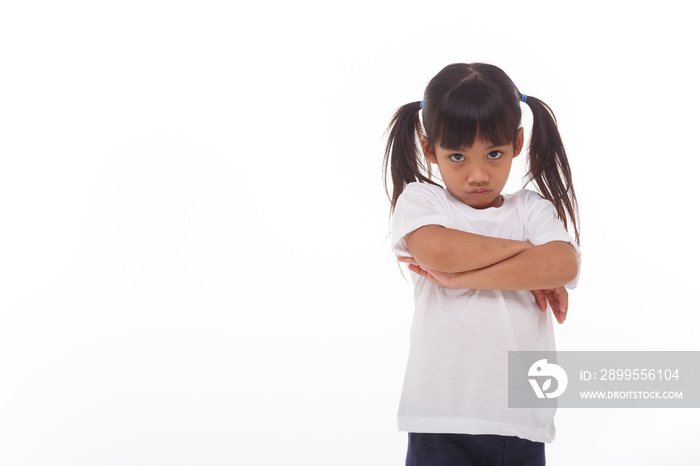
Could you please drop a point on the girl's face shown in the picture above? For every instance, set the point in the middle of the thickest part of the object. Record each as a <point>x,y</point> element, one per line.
<point>475,175</point>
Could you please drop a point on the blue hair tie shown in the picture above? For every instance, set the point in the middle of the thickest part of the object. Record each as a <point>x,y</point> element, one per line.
<point>523,98</point>
<point>421,104</point>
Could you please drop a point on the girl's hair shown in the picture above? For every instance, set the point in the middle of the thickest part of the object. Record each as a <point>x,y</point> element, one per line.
<point>466,101</point>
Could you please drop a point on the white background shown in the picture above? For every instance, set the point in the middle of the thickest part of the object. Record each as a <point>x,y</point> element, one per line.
<point>193,255</point>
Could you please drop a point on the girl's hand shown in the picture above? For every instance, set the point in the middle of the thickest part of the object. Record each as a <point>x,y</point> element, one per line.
<point>448,280</point>
<point>558,300</point>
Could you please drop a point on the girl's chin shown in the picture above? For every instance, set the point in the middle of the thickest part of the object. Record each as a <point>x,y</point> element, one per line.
<point>483,202</point>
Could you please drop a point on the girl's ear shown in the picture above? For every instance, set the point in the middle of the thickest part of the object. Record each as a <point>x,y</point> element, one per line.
<point>427,150</point>
<point>519,141</point>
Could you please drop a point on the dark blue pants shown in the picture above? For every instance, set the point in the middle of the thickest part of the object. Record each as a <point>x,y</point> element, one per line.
<point>472,450</point>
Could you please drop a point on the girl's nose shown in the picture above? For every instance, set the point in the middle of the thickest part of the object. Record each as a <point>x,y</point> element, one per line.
<point>477,175</point>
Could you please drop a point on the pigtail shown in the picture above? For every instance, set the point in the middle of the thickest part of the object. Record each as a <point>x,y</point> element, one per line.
<point>403,157</point>
<point>548,165</point>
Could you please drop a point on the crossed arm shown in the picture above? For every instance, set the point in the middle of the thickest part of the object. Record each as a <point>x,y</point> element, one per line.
<point>458,259</point>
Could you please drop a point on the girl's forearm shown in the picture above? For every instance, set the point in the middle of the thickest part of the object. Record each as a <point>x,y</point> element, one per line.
<point>547,266</point>
<point>448,250</point>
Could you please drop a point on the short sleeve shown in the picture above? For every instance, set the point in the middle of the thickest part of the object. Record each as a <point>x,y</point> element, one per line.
<point>419,205</point>
<point>543,226</point>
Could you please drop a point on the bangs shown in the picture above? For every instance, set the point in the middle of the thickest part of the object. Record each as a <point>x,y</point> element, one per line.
<point>472,109</point>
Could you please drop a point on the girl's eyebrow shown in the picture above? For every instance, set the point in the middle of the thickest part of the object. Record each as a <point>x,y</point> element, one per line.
<point>461,149</point>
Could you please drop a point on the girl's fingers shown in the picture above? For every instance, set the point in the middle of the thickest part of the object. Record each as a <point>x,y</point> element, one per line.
<point>540,299</point>
<point>563,303</point>
<point>561,316</point>
<point>416,269</point>
<point>558,299</point>
<point>552,299</point>
<point>563,300</point>
<point>407,260</point>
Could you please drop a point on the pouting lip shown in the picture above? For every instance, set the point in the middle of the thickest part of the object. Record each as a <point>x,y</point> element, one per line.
<point>479,192</point>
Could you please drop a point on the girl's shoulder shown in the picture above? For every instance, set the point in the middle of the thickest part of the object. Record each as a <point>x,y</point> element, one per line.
<point>417,190</point>
<point>418,187</point>
<point>532,204</point>
<point>422,199</point>
<point>529,197</point>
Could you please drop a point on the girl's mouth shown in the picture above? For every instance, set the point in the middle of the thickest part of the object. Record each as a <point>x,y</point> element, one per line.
<point>479,192</point>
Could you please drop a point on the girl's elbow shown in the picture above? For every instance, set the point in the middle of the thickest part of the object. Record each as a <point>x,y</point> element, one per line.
<point>569,268</point>
<point>563,264</point>
<point>570,273</point>
<point>436,258</point>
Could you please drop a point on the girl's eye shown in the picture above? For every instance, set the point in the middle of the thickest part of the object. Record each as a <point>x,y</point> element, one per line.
<point>456,157</point>
<point>495,155</point>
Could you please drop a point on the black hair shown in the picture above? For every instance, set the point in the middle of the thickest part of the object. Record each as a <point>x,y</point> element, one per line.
<point>466,101</point>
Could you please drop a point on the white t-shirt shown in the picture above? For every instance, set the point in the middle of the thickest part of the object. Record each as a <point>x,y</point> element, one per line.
<point>457,373</point>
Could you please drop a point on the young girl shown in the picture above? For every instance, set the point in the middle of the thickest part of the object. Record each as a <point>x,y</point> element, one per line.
<point>485,263</point>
